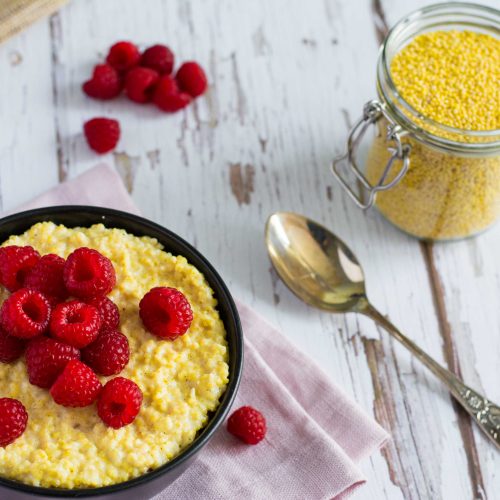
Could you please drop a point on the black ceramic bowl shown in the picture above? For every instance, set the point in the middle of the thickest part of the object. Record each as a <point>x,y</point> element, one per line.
<point>152,482</point>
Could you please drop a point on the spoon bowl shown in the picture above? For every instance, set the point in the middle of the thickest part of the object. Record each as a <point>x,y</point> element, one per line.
<point>320,269</point>
<point>317,266</point>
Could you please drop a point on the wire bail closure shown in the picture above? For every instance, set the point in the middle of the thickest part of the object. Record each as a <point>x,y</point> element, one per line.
<point>372,112</point>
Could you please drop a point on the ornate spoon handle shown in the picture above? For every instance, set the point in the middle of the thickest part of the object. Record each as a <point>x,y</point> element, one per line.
<point>483,411</point>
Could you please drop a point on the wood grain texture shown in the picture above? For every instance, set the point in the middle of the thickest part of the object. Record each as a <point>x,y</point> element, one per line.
<point>16,15</point>
<point>287,78</point>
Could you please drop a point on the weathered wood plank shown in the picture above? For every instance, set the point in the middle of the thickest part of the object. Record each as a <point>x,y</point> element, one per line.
<point>458,276</point>
<point>450,352</point>
<point>27,155</point>
<point>469,273</point>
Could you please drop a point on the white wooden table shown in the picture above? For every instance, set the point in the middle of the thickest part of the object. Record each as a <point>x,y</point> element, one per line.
<point>287,78</point>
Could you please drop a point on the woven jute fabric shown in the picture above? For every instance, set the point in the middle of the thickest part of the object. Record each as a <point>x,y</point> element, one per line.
<point>15,15</point>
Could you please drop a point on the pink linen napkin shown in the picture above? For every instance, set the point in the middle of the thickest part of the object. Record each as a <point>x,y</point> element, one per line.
<point>316,434</point>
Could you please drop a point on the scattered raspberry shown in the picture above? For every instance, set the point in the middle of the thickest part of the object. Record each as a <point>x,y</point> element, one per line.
<point>102,134</point>
<point>13,420</point>
<point>108,354</point>
<point>248,424</point>
<point>75,323</point>
<point>167,96</point>
<point>104,84</point>
<point>11,347</point>
<point>140,84</point>
<point>191,79</point>
<point>110,315</point>
<point>165,312</point>
<point>77,385</point>
<point>46,276</point>
<point>123,56</point>
<point>15,262</point>
<point>160,58</point>
<point>46,358</point>
<point>119,402</point>
<point>88,273</point>
<point>25,314</point>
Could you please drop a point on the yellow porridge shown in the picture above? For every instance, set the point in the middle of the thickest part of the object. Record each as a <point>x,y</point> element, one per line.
<point>182,380</point>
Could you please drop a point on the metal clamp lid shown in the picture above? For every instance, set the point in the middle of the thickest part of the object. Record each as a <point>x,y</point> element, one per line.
<point>372,112</point>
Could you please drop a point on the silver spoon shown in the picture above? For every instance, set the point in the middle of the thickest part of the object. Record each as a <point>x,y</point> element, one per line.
<point>321,270</point>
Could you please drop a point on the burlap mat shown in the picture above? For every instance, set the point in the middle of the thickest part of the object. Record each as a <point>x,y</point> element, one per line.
<point>15,15</point>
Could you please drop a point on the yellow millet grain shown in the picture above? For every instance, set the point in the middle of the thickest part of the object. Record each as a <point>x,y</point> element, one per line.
<point>452,77</point>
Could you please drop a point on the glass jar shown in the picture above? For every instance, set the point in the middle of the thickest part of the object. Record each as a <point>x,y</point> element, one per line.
<point>431,180</point>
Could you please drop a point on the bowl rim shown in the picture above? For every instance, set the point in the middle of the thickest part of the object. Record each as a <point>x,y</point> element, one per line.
<point>206,433</point>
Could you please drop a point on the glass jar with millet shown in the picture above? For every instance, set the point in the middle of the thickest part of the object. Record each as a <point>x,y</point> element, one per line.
<point>433,167</point>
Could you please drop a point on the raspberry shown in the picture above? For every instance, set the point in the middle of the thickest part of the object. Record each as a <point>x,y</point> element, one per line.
<point>140,84</point>
<point>108,354</point>
<point>75,323</point>
<point>76,386</point>
<point>119,402</point>
<point>104,84</point>
<point>165,312</point>
<point>25,314</point>
<point>160,58</point>
<point>248,424</point>
<point>123,56</point>
<point>13,420</point>
<point>15,262</point>
<point>191,79</point>
<point>110,315</point>
<point>46,359</point>
<point>88,273</point>
<point>46,276</point>
<point>102,134</point>
<point>10,347</point>
<point>167,96</point>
